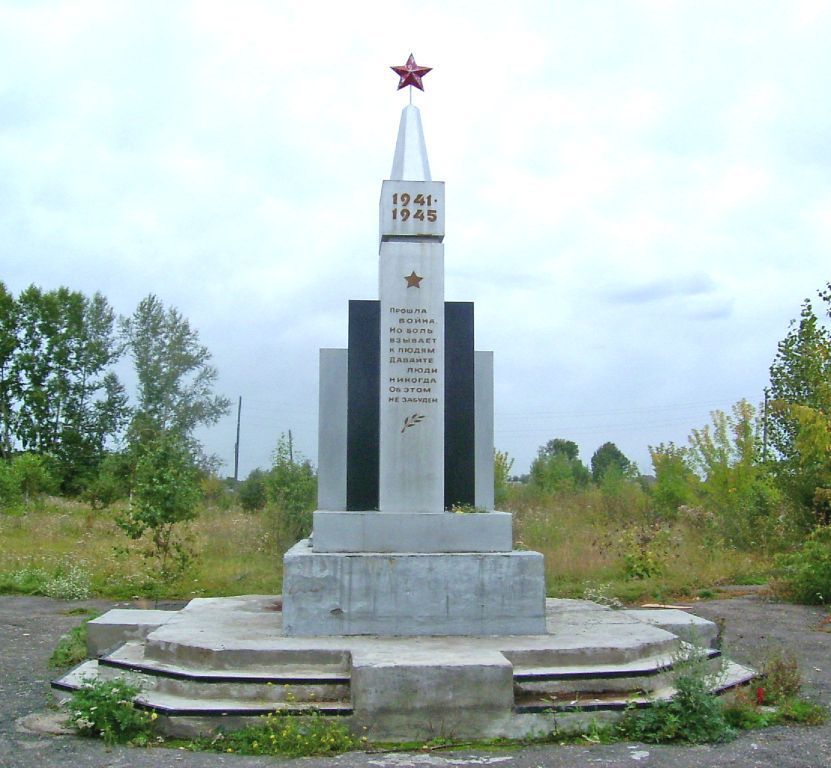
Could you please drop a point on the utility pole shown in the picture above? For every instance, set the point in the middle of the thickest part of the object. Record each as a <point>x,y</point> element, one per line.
<point>236,444</point>
<point>291,450</point>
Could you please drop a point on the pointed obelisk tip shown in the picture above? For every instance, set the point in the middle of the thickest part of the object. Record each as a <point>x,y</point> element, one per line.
<point>410,162</point>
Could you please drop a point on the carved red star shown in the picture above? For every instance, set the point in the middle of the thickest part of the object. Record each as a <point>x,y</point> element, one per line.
<point>413,280</point>
<point>410,74</point>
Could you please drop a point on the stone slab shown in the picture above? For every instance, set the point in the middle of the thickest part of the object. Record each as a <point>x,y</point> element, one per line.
<point>448,691</point>
<point>331,431</point>
<point>691,628</point>
<point>483,433</point>
<point>120,625</point>
<point>412,593</point>
<point>432,532</point>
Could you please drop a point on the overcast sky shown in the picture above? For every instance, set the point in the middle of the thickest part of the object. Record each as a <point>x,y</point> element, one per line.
<point>638,193</point>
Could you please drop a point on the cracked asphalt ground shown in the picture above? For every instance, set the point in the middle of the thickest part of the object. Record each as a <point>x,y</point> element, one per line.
<point>31,626</point>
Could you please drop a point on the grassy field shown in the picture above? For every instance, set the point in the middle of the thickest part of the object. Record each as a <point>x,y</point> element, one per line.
<point>67,549</point>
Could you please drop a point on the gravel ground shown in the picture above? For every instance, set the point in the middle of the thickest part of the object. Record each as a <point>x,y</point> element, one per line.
<point>30,628</point>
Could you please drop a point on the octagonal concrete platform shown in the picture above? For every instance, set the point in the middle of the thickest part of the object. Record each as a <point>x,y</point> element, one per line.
<point>220,662</point>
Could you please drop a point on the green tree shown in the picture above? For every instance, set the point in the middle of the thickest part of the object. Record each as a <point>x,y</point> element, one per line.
<point>69,402</point>
<point>609,456</point>
<point>175,378</point>
<point>8,347</point>
<point>800,385</point>
<point>737,486</point>
<point>559,446</point>
<point>676,484</point>
<point>292,486</point>
<point>557,467</point>
<point>165,495</point>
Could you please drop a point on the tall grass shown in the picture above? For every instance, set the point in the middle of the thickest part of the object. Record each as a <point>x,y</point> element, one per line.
<point>237,552</point>
<point>587,537</point>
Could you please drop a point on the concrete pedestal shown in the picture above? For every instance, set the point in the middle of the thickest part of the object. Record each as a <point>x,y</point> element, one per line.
<point>433,532</point>
<point>481,593</point>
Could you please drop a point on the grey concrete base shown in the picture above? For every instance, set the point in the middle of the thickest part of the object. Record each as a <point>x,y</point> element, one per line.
<point>120,625</point>
<point>220,663</point>
<point>412,594</point>
<point>433,532</point>
<point>691,628</point>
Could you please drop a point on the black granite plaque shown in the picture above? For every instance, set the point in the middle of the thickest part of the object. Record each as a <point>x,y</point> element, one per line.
<point>362,416</point>
<point>459,413</point>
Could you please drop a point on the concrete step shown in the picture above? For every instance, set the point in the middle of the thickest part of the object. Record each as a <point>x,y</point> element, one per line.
<point>209,702</point>
<point>731,676</point>
<point>286,684</point>
<point>132,656</point>
<point>643,675</point>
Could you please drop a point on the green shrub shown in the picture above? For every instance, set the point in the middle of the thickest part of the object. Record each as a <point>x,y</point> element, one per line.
<point>24,479</point>
<point>291,486</point>
<point>805,576</point>
<point>252,491</point>
<point>645,549</point>
<point>166,495</point>
<point>742,712</point>
<point>105,708</point>
<point>693,716</point>
<point>802,712</point>
<point>215,493</point>
<point>10,495</point>
<point>112,481</point>
<point>781,679</point>
<point>286,735</point>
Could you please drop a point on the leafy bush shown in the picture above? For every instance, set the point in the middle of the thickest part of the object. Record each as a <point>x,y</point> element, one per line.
<point>286,735</point>
<point>166,494</point>
<point>645,549</point>
<point>292,486</point>
<point>24,479</point>
<point>112,481</point>
<point>215,493</point>
<point>105,708</point>
<point>693,716</point>
<point>805,576</point>
<point>781,678</point>
<point>557,468</point>
<point>252,491</point>
<point>675,483</point>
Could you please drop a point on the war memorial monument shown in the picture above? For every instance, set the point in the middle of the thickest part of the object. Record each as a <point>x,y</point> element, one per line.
<point>407,612</point>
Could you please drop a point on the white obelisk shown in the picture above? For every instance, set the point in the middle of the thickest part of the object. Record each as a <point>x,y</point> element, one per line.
<point>411,292</point>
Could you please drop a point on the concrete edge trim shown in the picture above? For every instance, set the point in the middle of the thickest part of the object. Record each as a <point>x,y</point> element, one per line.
<point>196,677</point>
<point>601,674</point>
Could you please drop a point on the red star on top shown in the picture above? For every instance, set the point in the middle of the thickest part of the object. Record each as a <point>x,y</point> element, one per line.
<point>410,74</point>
